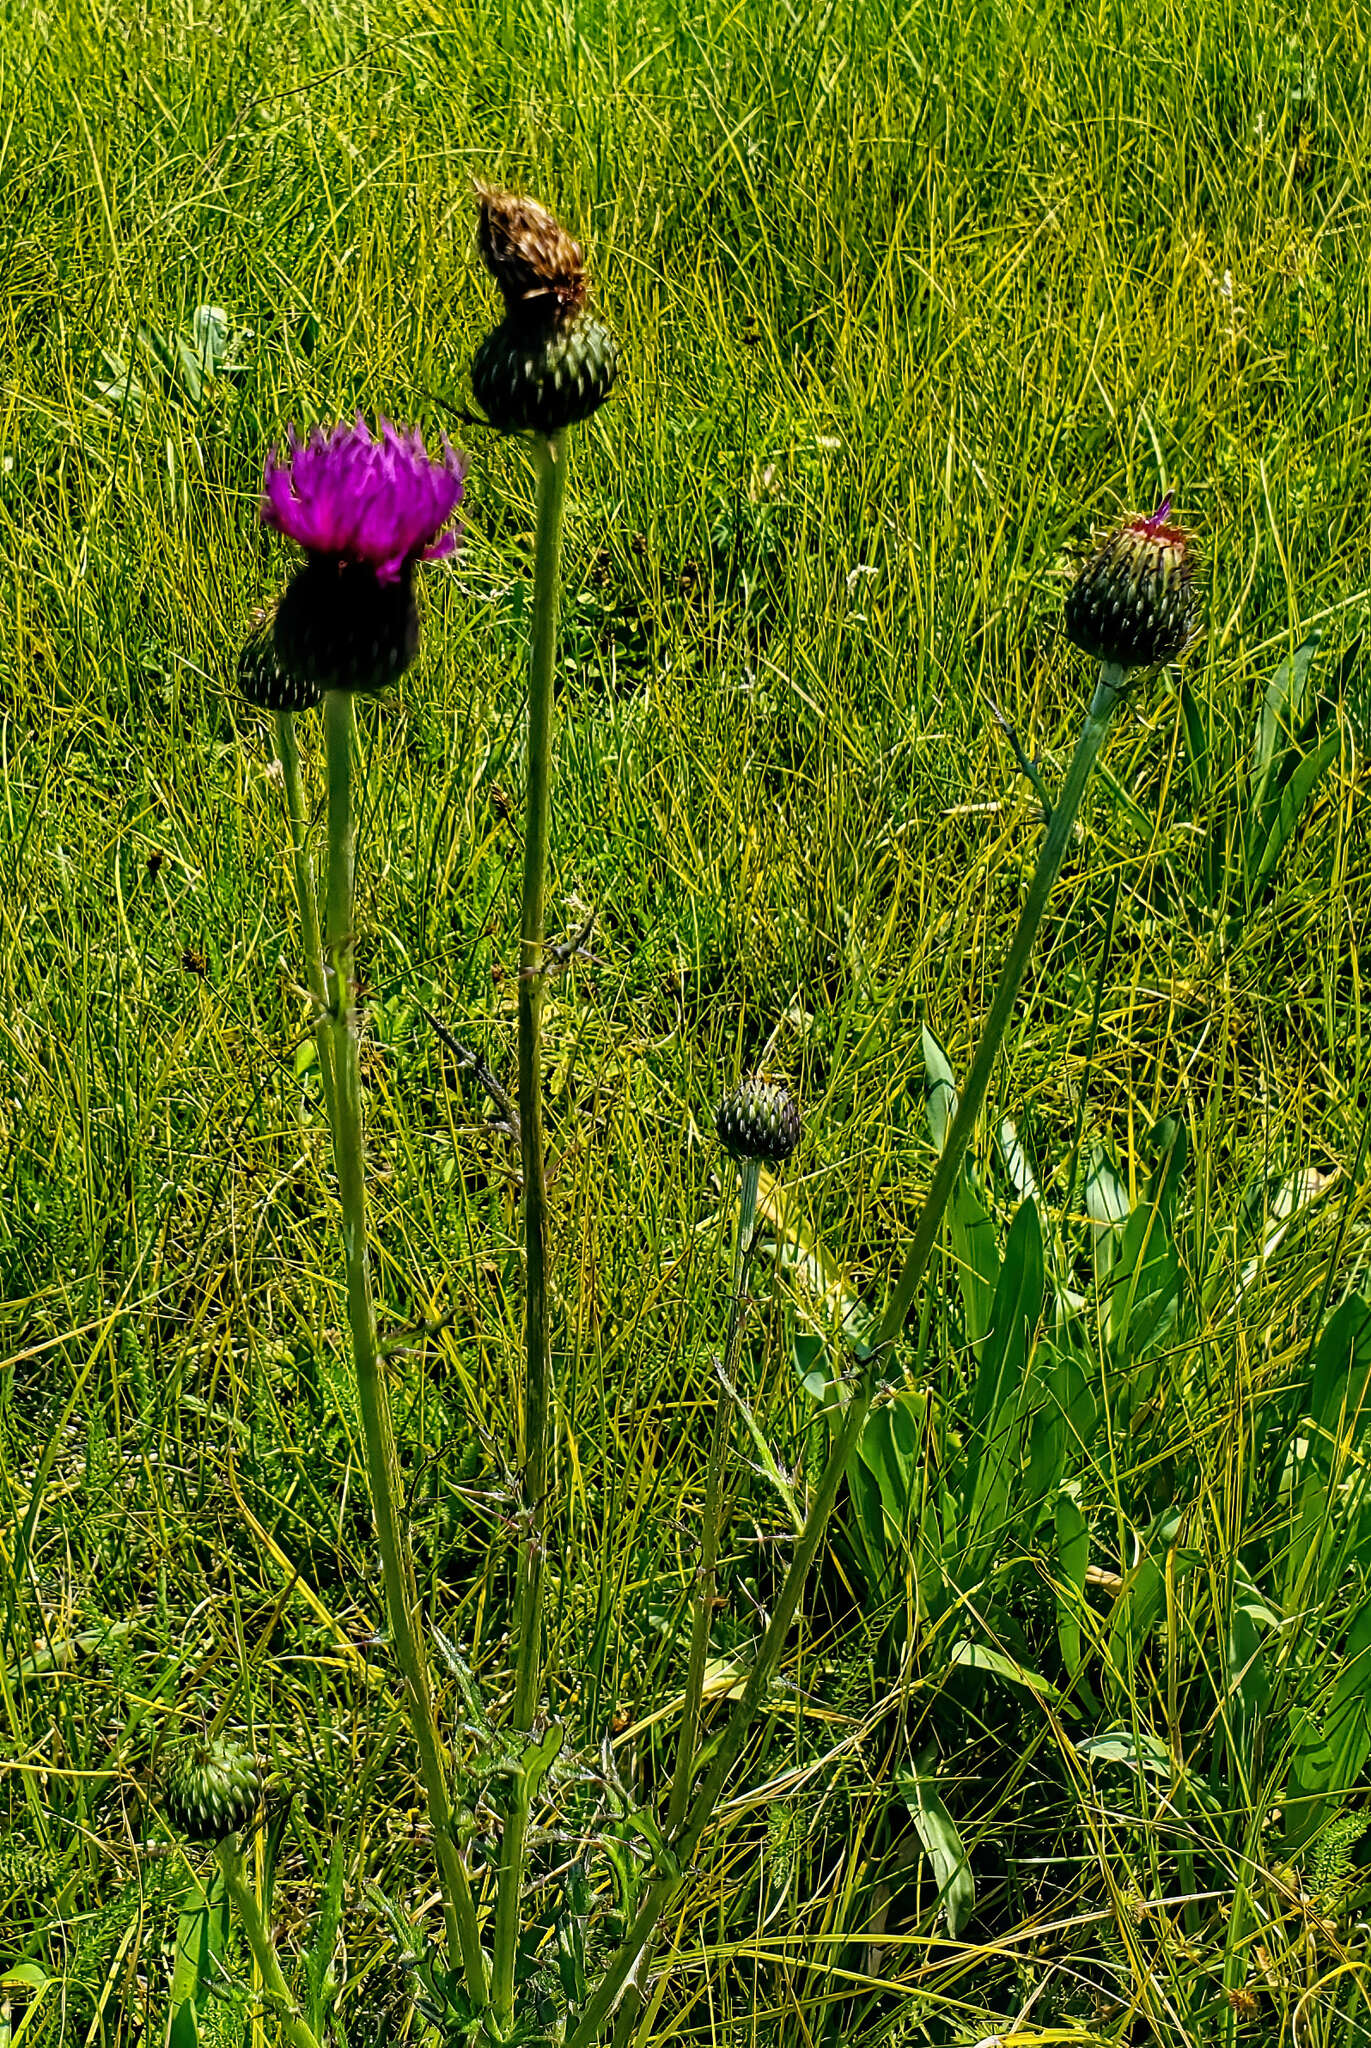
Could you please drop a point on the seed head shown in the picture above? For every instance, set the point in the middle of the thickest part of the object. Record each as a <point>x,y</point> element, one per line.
<point>528,252</point>
<point>759,1120</point>
<point>1134,603</point>
<point>551,361</point>
<point>211,1788</point>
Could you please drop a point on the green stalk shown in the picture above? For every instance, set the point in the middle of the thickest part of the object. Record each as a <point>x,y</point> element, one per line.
<point>710,1535</point>
<point>378,1430</point>
<point>686,1840</point>
<point>549,455</point>
<point>289,755</point>
<point>289,2018</point>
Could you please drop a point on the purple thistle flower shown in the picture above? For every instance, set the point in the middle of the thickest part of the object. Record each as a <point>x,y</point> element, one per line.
<point>380,502</point>
<point>365,511</point>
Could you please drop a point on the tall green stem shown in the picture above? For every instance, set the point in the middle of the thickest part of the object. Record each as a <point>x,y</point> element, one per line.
<point>687,1838</point>
<point>706,1575</point>
<point>290,2020</point>
<point>306,899</point>
<point>550,457</point>
<point>378,1430</point>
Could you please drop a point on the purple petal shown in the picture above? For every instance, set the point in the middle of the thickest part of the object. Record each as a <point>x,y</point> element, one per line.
<point>382,501</point>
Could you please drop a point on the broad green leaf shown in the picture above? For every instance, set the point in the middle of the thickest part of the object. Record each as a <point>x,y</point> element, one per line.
<point>970,1226</point>
<point>940,1091</point>
<point>1141,1752</point>
<point>1016,1161</point>
<point>202,1940</point>
<point>1141,1602</point>
<point>972,1231</point>
<point>319,1958</point>
<point>883,1480</point>
<point>942,1844</point>
<point>1332,1741</point>
<point>1247,1682</point>
<point>1000,1394</point>
<point>1337,1412</point>
<point>970,1656</point>
<point>1108,1207</point>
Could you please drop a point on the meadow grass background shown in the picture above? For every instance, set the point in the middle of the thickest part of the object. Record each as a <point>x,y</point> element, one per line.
<point>909,300</point>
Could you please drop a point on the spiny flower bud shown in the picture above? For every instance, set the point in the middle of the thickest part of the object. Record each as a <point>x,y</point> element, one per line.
<point>211,1788</point>
<point>1133,603</point>
<point>758,1120</point>
<point>551,361</point>
<point>541,378</point>
<point>261,677</point>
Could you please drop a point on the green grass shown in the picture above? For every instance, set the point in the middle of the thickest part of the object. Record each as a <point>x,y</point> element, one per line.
<point>907,303</point>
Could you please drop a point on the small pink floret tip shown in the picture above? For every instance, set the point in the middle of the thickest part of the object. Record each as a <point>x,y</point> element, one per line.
<point>381,501</point>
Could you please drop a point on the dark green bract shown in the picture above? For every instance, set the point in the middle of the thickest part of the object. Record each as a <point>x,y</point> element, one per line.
<point>211,1788</point>
<point>340,626</point>
<point>758,1120</point>
<point>540,376</point>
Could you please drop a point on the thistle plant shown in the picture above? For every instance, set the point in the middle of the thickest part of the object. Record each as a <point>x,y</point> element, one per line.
<point>1133,607</point>
<point>759,1123</point>
<point>549,364</point>
<point>366,511</point>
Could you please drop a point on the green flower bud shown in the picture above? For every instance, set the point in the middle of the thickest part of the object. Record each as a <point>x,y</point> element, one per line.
<point>261,677</point>
<point>538,376</point>
<point>759,1120</point>
<point>1133,603</point>
<point>211,1788</point>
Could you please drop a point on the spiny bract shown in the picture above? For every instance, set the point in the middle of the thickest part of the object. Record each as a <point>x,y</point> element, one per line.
<point>261,677</point>
<point>540,377</point>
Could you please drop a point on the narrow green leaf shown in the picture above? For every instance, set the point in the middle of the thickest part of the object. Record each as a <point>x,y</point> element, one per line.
<point>1281,715</point>
<point>942,1844</point>
<point>1073,1559</point>
<point>1263,857</point>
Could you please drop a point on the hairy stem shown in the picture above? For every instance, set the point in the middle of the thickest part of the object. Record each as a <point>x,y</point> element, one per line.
<point>712,1531</point>
<point>307,901</point>
<point>288,2016</point>
<point>687,1838</point>
<point>550,456</point>
<point>373,1399</point>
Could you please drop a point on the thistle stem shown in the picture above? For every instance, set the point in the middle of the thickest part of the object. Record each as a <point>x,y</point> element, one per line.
<point>307,901</point>
<point>549,455</point>
<point>373,1399</point>
<point>710,1535</point>
<point>686,1839</point>
<point>550,458</point>
<point>289,2018</point>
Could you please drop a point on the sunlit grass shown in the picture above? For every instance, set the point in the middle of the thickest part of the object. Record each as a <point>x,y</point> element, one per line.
<point>907,303</point>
